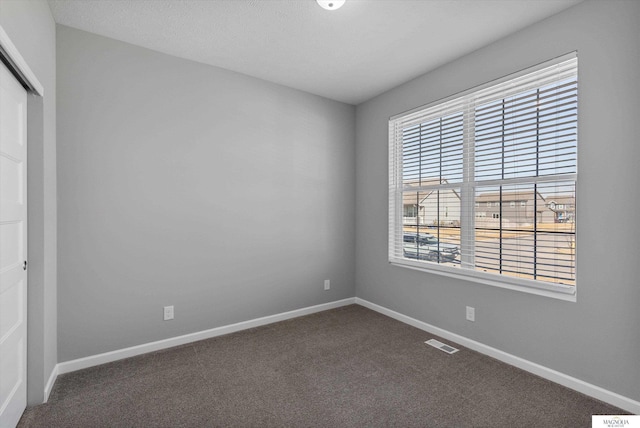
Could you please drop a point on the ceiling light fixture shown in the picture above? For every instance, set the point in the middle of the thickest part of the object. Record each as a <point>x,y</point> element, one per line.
<point>330,4</point>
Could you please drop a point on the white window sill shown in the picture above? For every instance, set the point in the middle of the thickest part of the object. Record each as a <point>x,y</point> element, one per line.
<point>560,292</point>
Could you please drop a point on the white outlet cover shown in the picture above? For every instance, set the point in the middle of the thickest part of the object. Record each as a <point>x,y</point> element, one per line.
<point>471,313</point>
<point>168,313</point>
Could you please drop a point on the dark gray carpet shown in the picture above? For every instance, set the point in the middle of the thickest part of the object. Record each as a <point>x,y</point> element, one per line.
<point>347,367</point>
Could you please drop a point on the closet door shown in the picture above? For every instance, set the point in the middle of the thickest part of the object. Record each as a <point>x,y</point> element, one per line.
<point>13,249</point>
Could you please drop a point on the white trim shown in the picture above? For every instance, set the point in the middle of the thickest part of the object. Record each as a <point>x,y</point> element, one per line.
<point>460,114</point>
<point>570,382</point>
<point>107,357</point>
<point>560,291</point>
<point>52,380</point>
<point>512,76</point>
<point>537,369</point>
<point>18,64</point>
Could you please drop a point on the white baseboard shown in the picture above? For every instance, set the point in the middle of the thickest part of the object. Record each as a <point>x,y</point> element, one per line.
<point>544,372</point>
<point>49,386</point>
<point>570,382</point>
<point>107,357</point>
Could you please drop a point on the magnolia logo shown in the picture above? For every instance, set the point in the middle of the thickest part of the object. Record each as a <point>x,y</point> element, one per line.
<point>615,422</point>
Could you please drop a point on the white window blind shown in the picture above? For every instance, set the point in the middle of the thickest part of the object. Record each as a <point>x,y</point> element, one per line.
<point>483,184</point>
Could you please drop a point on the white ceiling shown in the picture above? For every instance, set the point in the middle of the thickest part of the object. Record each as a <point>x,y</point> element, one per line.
<point>349,55</point>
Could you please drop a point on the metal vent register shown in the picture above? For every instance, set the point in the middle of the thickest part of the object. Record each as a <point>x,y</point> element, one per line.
<point>441,346</point>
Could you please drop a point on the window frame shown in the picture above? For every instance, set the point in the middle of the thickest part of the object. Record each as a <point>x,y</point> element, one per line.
<point>469,205</point>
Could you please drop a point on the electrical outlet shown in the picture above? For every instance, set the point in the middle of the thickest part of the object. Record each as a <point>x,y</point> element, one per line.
<point>471,314</point>
<point>168,313</point>
<point>327,284</point>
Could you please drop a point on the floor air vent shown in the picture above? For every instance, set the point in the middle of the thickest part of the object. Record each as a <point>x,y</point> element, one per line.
<point>441,346</point>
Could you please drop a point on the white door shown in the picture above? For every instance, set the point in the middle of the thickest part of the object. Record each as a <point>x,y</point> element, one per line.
<point>13,249</point>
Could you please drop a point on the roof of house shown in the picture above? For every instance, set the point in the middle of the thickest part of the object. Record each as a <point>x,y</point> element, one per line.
<point>525,195</point>
<point>561,199</point>
<point>410,198</point>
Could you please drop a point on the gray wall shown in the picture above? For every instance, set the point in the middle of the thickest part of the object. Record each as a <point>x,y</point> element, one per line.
<point>31,28</point>
<point>188,185</point>
<point>595,339</point>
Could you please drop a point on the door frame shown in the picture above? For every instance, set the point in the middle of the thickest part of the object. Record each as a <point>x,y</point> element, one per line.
<point>10,55</point>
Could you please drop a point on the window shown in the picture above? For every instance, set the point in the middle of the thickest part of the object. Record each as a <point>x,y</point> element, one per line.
<point>410,211</point>
<point>511,140</point>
